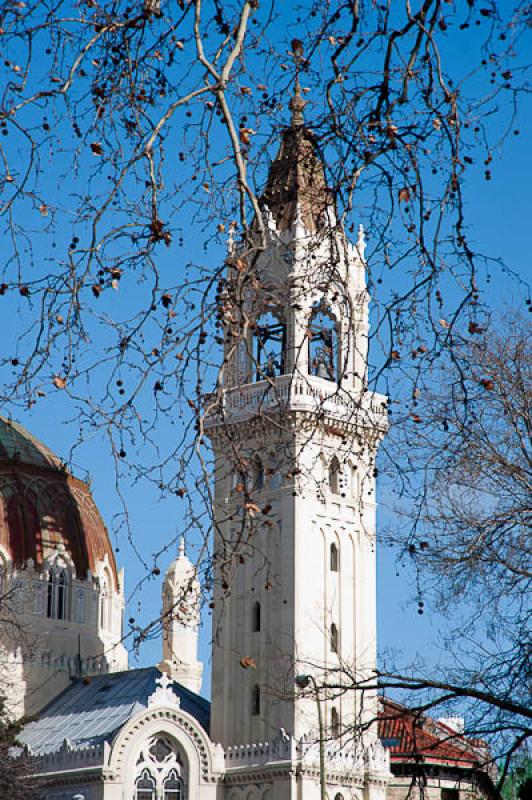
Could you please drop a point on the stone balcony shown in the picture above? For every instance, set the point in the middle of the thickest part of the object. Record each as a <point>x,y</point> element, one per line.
<point>296,393</point>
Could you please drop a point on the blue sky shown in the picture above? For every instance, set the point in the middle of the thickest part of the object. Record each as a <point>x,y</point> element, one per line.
<point>499,215</point>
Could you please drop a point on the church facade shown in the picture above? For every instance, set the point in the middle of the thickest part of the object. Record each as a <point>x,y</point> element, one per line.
<point>295,433</point>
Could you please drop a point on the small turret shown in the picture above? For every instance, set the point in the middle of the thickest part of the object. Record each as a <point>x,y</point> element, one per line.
<point>181,619</point>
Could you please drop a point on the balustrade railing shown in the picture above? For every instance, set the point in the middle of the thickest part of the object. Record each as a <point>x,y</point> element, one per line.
<point>299,393</point>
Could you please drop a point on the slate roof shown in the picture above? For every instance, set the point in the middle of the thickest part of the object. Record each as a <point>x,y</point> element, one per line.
<point>90,711</point>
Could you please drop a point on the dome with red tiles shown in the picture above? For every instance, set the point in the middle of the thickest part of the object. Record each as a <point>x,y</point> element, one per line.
<point>43,506</point>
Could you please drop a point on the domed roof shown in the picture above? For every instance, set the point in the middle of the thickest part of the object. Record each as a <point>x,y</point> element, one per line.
<point>18,444</point>
<point>43,506</point>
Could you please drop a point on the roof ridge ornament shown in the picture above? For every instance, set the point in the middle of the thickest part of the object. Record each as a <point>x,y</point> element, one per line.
<point>297,104</point>
<point>163,694</point>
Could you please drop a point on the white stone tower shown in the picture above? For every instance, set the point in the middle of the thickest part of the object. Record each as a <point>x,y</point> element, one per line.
<point>181,619</point>
<point>295,433</point>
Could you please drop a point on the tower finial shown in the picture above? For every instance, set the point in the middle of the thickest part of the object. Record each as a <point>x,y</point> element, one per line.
<point>297,104</point>
<point>181,547</point>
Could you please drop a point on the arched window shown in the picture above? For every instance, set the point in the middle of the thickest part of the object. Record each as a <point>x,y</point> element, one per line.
<point>255,701</point>
<point>62,583</point>
<point>270,347</point>
<point>173,787</point>
<point>50,598</point>
<point>334,476</point>
<point>105,602</point>
<point>145,786</point>
<point>255,621</point>
<point>334,558</point>
<point>335,722</point>
<point>57,594</point>
<point>323,344</point>
<point>334,638</point>
<point>161,773</point>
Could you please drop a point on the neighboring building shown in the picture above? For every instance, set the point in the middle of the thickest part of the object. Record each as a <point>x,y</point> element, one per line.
<point>432,759</point>
<point>294,579</point>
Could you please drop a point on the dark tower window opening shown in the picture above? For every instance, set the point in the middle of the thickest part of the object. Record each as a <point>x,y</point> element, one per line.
<point>255,701</point>
<point>335,472</point>
<point>335,722</point>
<point>334,558</point>
<point>334,639</point>
<point>256,621</point>
<point>270,347</point>
<point>323,344</point>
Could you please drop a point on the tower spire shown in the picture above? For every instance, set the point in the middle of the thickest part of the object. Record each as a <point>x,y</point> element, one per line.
<point>297,104</point>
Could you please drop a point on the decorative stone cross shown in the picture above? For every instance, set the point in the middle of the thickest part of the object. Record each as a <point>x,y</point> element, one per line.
<point>164,681</point>
<point>163,695</point>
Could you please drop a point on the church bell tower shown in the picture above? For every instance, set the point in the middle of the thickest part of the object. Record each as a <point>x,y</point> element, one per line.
<point>295,433</point>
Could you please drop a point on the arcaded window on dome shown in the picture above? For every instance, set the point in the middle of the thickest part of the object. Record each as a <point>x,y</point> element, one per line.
<point>105,602</point>
<point>270,347</point>
<point>160,772</point>
<point>323,344</point>
<point>57,594</point>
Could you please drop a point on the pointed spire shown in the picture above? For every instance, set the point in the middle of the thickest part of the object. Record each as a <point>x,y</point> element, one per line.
<point>181,547</point>
<point>297,104</point>
<point>297,174</point>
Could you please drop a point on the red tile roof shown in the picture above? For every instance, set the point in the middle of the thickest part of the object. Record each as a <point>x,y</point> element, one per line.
<point>411,736</point>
